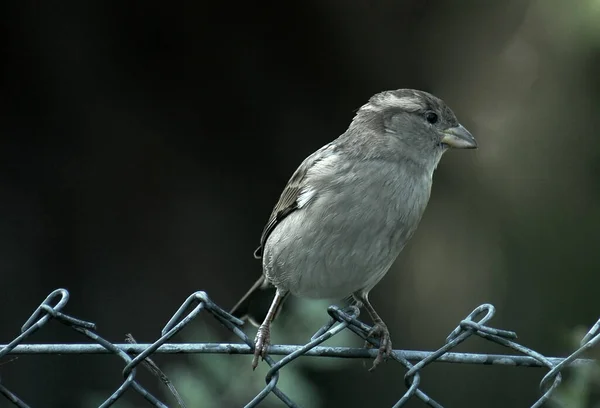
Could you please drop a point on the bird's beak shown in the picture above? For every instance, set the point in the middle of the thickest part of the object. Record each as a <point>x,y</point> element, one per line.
<point>459,138</point>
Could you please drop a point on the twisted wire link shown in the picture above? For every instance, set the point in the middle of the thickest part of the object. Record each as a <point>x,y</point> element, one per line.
<point>475,324</point>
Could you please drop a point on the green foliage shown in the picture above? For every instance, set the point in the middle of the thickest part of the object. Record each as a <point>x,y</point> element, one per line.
<point>576,389</point>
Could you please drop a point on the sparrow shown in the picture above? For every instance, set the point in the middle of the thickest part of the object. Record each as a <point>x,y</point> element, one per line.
<point>350,208</point>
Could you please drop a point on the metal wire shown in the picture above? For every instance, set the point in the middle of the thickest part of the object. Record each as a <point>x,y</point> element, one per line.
<point>475,324</point>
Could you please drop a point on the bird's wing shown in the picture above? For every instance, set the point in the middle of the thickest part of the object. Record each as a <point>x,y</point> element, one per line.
<point>288,201</point>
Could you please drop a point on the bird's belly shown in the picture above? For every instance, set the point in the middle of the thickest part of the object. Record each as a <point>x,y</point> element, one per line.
<point>333,254</point>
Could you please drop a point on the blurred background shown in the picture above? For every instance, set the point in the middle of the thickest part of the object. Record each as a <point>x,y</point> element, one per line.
<point>143,145</point>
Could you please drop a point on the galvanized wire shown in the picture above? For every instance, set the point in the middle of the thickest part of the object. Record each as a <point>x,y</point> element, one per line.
<point>475,324</point>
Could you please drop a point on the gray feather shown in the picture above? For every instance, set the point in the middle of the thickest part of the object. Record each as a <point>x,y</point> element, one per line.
<point>349,209</point>
<point>288,201</point>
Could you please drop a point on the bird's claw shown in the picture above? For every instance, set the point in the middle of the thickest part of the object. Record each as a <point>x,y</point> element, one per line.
<point>380,330</point>
<point>261,344</point>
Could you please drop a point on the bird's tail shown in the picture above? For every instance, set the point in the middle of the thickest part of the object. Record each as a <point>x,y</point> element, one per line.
<point>254,305</point>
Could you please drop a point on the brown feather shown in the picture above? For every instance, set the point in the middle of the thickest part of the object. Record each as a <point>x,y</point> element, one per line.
<point>288,201</point>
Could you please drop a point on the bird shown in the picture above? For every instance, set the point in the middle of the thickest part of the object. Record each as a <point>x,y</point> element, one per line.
<point>349,209</point>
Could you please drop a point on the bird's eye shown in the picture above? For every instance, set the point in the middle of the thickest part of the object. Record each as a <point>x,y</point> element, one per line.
<point>431,117</point>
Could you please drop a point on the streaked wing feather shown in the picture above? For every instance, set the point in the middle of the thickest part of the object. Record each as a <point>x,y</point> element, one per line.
<point>288,201</point>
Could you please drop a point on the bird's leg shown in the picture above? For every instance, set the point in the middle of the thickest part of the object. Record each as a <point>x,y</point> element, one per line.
<point>379,330</point>
<point>263,336</point>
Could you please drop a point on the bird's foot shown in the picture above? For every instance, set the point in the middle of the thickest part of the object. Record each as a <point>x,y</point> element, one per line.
<point>380,331</point>
<point>261,344</point>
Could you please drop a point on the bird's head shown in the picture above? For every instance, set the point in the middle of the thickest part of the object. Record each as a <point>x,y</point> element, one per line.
<point>421,125</point>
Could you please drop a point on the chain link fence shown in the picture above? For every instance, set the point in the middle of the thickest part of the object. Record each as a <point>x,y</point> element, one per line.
<point>134,355</point>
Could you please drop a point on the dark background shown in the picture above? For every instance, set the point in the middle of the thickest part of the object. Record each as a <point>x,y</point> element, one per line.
<point>143,145</point>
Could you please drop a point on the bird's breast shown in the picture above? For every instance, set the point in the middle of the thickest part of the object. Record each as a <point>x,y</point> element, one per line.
<point>347,237</point>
